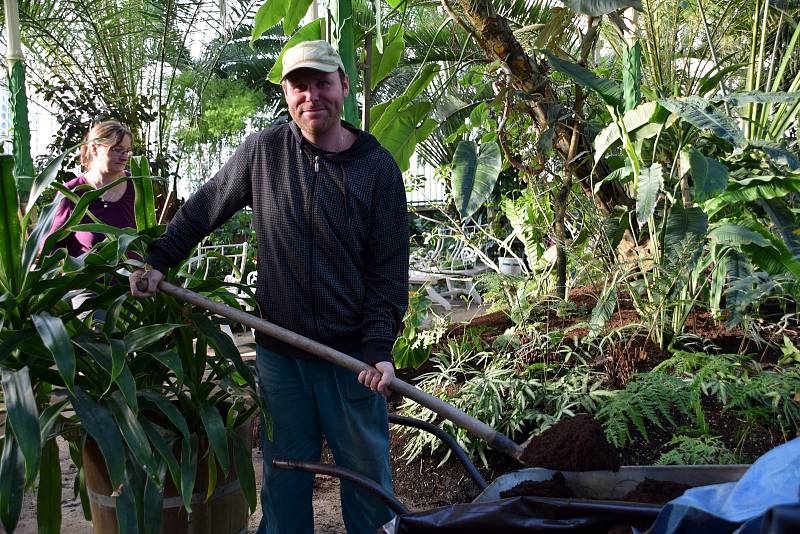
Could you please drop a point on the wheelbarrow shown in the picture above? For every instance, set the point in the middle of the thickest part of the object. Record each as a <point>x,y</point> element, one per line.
<point>596,508</point>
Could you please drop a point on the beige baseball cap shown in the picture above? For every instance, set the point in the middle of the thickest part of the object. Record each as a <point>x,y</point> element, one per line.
<point>317,55</point>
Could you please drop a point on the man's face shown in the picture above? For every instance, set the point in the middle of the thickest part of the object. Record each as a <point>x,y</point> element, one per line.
<point>315,99</point>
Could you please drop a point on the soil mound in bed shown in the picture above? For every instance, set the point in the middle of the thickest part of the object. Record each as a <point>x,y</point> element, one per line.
<point>573,444</point>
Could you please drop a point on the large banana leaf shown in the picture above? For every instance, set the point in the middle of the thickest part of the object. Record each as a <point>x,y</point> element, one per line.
<point>608,90</point>
<point>683,222</point>
<point>384,63</point>
<point>760,97</point>
<point>273,11</point>
<point>710,177</point>
<point>402,123</point>
<point>785,222</point>
<point>702,114</point>
<point>734,235</point>
<point>775,259</point>
<point>752,190</point>
<point>651,182</point>
<point>738,268</point>
<point>475,172</point>
<point>779,155</point>
<point>643,122</point>
<point>632,75</point>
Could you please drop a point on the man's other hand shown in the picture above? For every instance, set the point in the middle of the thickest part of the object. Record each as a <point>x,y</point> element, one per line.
<point>378,378</point>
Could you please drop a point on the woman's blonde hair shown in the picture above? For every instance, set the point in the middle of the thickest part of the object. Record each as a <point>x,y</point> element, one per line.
<point>110,132</point>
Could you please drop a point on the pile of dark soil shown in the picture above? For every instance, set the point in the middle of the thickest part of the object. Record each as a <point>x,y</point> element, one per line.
<point>655,491</point>
<point>554,487</point>
<point>573,444</point>
<point>647,491</point>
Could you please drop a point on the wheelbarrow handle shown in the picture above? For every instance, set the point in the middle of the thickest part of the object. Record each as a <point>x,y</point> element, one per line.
<point>458,417</point>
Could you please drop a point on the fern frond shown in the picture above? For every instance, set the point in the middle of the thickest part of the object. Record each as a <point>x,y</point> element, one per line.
<point>651,397</point>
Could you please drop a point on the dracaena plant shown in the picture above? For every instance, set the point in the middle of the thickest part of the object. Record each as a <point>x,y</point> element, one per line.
<point>141,383</point>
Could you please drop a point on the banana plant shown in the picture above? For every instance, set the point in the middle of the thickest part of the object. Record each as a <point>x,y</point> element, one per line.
<point>139,383</point>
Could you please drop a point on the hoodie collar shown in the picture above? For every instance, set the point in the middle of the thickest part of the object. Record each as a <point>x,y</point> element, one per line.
<point>363,144</point>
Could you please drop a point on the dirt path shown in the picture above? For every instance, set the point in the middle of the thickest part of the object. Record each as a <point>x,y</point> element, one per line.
<point>327,511</point>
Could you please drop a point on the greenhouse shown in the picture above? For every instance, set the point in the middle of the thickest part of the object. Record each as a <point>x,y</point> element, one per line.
<point>295,266</point>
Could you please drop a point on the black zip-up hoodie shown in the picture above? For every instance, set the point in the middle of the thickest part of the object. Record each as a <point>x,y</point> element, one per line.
<point>332,236</point>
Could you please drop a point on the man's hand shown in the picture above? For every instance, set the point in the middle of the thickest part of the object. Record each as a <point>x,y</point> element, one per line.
<point>379,378</point>
<point>141,277</point>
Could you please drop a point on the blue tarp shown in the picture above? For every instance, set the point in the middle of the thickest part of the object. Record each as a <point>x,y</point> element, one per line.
<point>772,481</point>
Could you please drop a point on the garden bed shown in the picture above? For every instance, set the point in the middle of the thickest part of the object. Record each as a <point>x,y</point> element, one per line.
<point>424,483</point>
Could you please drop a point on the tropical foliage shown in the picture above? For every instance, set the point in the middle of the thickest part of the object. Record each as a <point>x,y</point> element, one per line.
<point>139,383</point>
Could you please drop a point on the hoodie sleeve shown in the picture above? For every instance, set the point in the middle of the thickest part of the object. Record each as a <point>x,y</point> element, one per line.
<point>205,211</point>
<point>386,274</point>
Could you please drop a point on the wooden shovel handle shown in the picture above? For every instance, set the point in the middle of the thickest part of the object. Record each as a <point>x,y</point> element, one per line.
<point>458,417</point>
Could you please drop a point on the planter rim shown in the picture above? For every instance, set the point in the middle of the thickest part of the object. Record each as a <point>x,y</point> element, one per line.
<point>616,484</point>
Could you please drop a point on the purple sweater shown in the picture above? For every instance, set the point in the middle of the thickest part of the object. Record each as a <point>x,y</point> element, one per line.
<point>119,214</point>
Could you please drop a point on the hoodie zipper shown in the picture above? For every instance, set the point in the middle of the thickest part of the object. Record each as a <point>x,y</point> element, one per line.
<point>314,197</point>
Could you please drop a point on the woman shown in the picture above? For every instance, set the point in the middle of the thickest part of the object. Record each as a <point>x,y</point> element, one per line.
<point>104,156</point>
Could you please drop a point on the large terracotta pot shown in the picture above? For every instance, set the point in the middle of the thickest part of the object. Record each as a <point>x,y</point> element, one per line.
<point>225,512</point>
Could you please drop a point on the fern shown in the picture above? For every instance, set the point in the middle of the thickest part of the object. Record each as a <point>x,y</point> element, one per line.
<point>702,450</point>
<point>650,397</point>
<point>711,374</point>
<point>769,398</point>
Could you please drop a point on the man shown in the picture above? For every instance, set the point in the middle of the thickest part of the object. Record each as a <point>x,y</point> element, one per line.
<point>329,212</point>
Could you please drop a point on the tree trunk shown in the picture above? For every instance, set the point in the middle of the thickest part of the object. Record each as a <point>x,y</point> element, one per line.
<point>495,37</point>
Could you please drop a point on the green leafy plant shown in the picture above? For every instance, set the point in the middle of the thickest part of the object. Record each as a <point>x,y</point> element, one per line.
<point>502,389</point>
<point>413,346</point>
<point>701,450</point>
<point>139,383</point>
<point>649,397</point>
<point>768,399</point>
<point>711,375</point>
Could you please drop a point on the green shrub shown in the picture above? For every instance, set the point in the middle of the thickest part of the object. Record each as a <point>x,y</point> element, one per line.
<point>702,450</point>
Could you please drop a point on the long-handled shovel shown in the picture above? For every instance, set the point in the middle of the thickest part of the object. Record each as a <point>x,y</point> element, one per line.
<point>467,422</point>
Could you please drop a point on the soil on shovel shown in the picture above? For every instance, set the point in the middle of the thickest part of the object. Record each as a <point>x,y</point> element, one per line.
<point>573,444</point>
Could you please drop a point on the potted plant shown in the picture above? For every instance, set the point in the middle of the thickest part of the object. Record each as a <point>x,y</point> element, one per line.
<point>142,388</point>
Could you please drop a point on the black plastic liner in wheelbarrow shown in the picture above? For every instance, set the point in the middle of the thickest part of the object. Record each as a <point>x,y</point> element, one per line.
<point>522,514</point>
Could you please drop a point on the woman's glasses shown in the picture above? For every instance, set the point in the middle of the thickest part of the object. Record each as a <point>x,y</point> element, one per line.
<point>117,151</point>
